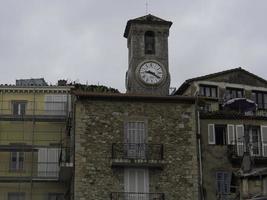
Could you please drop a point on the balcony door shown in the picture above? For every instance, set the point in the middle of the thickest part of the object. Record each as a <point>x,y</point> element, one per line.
<point>135,140</point>
<point>136,184</point>
<point>254,135</point>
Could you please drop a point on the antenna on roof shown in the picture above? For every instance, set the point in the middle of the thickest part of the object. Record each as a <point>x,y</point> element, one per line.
<point>147,4</point>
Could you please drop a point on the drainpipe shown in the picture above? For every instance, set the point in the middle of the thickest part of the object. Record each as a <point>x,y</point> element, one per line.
<point>199,149</point>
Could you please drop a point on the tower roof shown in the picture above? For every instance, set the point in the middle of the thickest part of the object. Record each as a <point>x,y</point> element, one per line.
<point>147,19</point>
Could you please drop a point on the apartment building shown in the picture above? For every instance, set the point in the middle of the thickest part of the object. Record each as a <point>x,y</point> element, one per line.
<point>34,141</point>
<point>232,129</point>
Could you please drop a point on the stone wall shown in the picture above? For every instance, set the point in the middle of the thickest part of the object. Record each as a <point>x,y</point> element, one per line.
<point>99,123</point>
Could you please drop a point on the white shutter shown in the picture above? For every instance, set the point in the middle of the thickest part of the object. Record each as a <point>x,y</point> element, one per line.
<point>264,140</point>
<point>42,162</point>
<point>56,104</point>
<point>240,140</point>
<point>48,162</point>
<point>211,133</point>
<point>135,137</point>
<point>230,134</point>
<point>136,180</point>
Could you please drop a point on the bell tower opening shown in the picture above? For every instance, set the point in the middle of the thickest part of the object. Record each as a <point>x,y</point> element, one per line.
<point>149,42</point>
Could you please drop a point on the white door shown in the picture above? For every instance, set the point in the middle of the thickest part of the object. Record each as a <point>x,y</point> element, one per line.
<point>135,140</point>
<point>136,184</point>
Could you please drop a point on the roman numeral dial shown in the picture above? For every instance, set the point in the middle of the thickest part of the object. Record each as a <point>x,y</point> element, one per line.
<point>151,73</point>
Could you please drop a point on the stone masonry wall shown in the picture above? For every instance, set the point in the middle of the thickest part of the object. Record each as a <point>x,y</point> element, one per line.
<point>101,123</point>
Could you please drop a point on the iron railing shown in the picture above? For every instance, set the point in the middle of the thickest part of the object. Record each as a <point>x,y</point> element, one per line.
<point>48,108</point>
<point>137,151</point>
<point>136,196</point>
<point>257,153</point>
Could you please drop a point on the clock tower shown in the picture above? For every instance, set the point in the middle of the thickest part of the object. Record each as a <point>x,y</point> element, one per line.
<point>147,42</point>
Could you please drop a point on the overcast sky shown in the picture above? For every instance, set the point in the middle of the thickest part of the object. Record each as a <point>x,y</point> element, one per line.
<point>82,40</point>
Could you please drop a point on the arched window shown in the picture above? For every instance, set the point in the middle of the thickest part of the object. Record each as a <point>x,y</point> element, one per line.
<point>149,42</point>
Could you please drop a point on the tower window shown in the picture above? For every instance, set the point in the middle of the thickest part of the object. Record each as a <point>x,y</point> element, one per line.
<point>149,42</point>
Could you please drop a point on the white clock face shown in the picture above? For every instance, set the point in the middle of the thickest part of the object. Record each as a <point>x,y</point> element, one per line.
<point>151,73</point>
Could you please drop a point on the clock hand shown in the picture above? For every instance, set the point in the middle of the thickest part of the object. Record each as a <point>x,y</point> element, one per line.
<point>152,73</point>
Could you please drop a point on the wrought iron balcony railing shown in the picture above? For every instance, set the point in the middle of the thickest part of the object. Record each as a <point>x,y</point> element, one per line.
<point>256,151</point>
<point>137,151</point>
<point>136,196</point>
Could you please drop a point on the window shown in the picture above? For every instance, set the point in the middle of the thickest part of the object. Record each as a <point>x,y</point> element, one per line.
<point>232,93</point>
<point>149,42</point>
<point>260,98</point>
<point>19,107</point>
<point>16,161</point>
<point>217,134</point>
<point>16,196</point>
<point>223,182</point>
<point>254,139</point>
<point>55,196</point>
<point>56,104</point>
<point>208,91</point>
<point>48,159</point>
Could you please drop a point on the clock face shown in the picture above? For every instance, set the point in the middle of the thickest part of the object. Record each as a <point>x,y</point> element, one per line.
<point>151,73</point>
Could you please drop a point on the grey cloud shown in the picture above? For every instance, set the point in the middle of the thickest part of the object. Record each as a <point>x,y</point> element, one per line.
<point>83,40</point>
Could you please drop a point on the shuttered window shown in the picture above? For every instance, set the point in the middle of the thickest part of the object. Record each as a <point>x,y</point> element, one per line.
<point>264,140</point>
<point>223,182</point>
<point>136,180</point>
<point>135,139</point>
<point>48,159</point>
<point>56,104</point>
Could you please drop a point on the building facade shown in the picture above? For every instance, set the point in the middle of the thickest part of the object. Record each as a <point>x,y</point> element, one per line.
<point>232,133</point>
<point>135,147</point>
<point>140,145</point>
<point>34,141</point>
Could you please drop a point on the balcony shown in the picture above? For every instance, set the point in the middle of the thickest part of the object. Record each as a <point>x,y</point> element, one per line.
<point>136,196</point>
<point>27,110</point>
<point>137,154</point>
<point>236,152</point>
<point>28,163</point>
<point>65,164</point>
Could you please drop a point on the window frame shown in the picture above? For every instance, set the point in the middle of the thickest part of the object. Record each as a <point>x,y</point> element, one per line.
<point>20,111</point>
<point>223,186</point>
<point>19,165</point>
<point>206,88</point>
<point>150,35</point>
<point>235,90</point>
<point>256,94</point>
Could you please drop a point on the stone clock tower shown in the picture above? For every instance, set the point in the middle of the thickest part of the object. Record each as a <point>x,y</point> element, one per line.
<point>147,41</point>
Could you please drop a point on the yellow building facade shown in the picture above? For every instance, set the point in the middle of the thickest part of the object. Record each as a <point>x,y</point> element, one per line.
<point>35,154</point>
